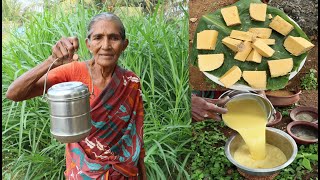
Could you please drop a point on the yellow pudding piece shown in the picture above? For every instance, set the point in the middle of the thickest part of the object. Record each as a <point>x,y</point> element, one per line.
<point>254,56</point>
<point>269,16</point>
<point>256,79</point>
<point>248,117</point>
<point>274,157</point>
<point>210,62</point>
<point>267,41</point>
<point>231,76</point>
<point>233,44</point>
<point>241,35</point>
<point>297,45</point>
<point>207,39</point>
<point>231,15</point>
<point>263,48</point>
<point>244,51</point>
<point>264,33</point>
<point>280,67</point>
<point>258,11</point>
<point>280,25</point>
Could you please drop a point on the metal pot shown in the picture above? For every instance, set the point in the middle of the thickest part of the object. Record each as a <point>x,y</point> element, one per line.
<point>274,137</point>
<point>69,108</point>
<point>263,101</point>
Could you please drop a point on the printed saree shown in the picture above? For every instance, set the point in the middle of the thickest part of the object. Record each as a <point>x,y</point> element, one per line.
<point>115,143</point>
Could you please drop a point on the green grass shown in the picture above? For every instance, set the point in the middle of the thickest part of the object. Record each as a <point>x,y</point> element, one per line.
<point>157,53</point>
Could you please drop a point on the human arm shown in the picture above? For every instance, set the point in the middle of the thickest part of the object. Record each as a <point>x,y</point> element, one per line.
<point>202,108</point>
<point>30,84</point>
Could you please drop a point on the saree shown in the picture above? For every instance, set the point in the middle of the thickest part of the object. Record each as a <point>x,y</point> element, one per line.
<point>115,142</point>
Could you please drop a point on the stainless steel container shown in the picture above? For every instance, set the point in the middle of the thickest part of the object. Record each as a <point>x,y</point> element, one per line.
<point>274,137</point>
<point>263,101</point>
<point>69,111</point>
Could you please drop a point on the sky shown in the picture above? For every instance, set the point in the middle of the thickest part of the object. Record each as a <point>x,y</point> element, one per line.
<point>28,2</point>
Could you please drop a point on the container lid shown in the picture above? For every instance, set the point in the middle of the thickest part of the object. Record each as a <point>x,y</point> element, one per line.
<point>67,91</point>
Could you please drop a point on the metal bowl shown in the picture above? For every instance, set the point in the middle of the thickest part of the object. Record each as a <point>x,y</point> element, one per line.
<point>264,102</point>
<point>274,137</point>
<point>231,93</point>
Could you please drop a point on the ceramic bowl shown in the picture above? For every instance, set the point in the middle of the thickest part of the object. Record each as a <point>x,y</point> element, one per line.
<point>282,98</point>
<point>303,132</point>
<point>302,113</point>
<point>275,119</point>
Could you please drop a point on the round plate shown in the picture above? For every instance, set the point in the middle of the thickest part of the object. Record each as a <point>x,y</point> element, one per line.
<point>238,86</point>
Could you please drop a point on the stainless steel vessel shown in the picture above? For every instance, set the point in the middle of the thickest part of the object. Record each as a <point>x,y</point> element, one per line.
<point>274,137</point>
<point>263,101</point>
<point>69,111</point>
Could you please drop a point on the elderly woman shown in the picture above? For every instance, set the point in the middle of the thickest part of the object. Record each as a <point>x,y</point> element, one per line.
<point>114,148</point>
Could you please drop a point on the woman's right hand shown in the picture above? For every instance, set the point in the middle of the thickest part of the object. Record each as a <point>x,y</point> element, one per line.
<point>31,83</point>
<point>205,108</point>
<point>64,50</point>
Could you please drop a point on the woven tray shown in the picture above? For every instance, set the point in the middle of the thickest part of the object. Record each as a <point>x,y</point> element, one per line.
<point>252,177</point>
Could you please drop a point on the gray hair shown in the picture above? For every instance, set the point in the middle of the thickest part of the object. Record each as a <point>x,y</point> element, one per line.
<point>107,16</point>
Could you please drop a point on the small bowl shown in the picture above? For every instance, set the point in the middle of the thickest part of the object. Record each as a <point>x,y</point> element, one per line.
<point>307,114</point>
<point>282,98</point>
<point>303,132</point>
<point>275,119</point>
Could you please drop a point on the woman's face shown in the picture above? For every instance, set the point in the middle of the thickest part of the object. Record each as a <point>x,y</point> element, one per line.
<point>105,43</point>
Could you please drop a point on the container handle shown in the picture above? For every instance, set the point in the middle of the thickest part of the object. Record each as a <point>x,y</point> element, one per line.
<point>92,91</point>
<point>45,80</point>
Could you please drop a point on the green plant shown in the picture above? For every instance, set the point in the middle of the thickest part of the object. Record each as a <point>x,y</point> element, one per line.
<point>305,161</point>
<point>157,53</point>
<point>208,158</point>
<point>285,111</point>
<point>310,81</point>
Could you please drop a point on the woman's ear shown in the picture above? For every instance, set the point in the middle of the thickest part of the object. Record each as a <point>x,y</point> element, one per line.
<point>125,44</point>
<point>88,44</point>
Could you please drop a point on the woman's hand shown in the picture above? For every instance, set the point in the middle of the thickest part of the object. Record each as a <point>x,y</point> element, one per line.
<point>64,49</point>
<point>205,108</point>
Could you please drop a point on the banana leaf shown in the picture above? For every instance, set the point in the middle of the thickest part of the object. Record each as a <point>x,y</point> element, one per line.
<point>214,21</point>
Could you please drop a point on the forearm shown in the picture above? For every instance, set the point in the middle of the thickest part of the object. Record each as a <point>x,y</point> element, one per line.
<point>27,85</point>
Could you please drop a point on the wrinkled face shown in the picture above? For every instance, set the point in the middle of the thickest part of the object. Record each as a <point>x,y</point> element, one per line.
<point>105,43</point>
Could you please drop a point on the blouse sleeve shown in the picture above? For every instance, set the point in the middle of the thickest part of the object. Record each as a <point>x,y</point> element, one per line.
<point>60,74</point>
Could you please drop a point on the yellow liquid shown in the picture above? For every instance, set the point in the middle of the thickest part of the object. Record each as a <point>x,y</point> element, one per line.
<point>250,119</point>
<point>274,157</point>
